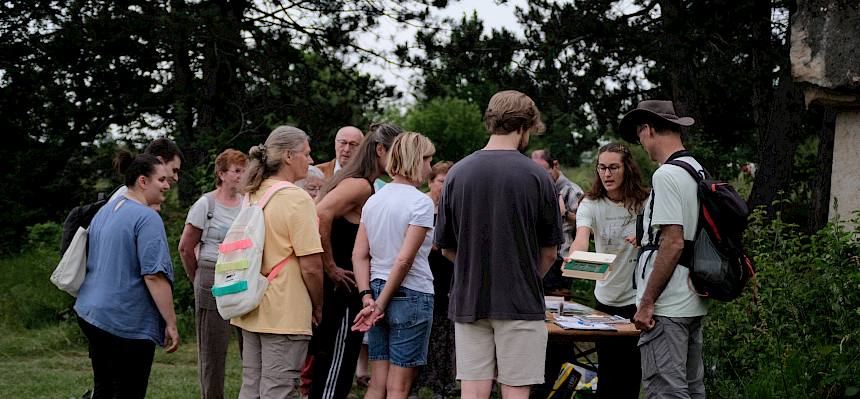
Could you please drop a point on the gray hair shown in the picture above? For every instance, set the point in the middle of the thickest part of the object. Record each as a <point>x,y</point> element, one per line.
<point>267,159</point>
<point>313,171</point>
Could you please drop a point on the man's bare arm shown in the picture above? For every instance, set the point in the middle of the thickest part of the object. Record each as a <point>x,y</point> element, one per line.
<point>547,258</point>
<point>671,247</point>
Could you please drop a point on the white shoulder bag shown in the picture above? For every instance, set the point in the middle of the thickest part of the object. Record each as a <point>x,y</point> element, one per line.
<point>70,272</point>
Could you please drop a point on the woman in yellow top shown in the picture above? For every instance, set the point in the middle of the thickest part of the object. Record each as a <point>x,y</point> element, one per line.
<point>276,334</point>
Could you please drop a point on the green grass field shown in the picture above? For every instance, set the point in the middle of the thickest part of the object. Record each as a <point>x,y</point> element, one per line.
<point>43,353</point>
<point>52,362</point>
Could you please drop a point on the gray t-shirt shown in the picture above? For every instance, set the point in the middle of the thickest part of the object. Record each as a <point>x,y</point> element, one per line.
<point>498,208</point>
<point>570,193</point>
<point>214,229</point>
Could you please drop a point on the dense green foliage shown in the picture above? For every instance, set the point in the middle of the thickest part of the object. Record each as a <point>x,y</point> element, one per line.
<point>453,125</point>
<point>78,78</point>
<point>726,63</point>
<point>796,333</point>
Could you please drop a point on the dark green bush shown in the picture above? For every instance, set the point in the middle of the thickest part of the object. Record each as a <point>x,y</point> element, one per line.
<point>44,235</point>
<point>796,331</point>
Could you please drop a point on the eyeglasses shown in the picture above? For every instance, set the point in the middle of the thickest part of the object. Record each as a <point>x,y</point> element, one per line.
<point>613,169</point>
<point>352,144</point>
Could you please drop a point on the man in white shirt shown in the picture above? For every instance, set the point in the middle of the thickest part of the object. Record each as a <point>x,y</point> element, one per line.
<point>347,140</point>
<point>669,312</point>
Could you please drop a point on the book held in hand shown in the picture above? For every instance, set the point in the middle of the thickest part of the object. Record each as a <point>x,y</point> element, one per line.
<point>588,265</point>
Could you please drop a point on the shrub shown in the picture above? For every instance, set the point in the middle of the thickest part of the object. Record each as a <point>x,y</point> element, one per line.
<point>44,235</point>
<point>452,124</point>
<point>796,332</point>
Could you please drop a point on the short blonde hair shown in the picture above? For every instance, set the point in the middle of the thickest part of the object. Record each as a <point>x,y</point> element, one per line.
<point>510,111</point>
<point>407,156</point>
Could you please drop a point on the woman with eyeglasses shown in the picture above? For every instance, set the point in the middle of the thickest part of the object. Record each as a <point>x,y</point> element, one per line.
<point>207,223</point>
<point>608,211</point>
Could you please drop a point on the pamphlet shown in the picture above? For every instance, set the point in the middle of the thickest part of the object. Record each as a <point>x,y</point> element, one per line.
<point>577,323</point>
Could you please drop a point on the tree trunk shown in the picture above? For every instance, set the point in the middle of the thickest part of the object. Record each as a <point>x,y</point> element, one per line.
<point>778,144</point>
<point>820,206</point>
<point>681,66</point>
<point>183,91</point>
<point>222,41</point>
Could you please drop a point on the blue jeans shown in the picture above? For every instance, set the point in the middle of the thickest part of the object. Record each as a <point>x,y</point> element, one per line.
<point>403,334</point>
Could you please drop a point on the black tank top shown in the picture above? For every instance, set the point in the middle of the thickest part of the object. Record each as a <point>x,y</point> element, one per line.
<point>343,234</point>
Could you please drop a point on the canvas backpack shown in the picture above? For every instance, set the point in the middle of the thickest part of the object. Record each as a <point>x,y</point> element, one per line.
<point>80,217</point>
<point>239,284</point>
<point>719,267</point>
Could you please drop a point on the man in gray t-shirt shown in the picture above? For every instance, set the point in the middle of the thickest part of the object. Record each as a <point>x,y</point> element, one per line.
<point>499,222</point>
<point>569,194</point>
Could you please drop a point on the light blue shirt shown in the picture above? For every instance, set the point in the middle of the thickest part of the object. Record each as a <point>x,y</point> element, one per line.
<point>124,244</point>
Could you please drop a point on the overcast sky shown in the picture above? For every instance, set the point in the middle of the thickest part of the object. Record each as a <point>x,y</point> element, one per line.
<point>389,34</point>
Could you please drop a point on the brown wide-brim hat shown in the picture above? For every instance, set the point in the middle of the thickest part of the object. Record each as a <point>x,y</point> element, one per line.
<point>662,109</point>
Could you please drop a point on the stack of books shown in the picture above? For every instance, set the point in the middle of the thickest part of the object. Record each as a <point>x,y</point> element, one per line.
<point>588,265</point>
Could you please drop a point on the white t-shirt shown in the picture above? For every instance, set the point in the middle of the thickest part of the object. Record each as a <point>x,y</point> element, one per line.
<point>610,223</point>
<point>214,229</point>
<point>386,216</point>
<point>120,191</point>
<point>675,202</point>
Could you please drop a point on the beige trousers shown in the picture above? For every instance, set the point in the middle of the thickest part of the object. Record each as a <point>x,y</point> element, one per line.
<point>213,334</point>
<point>271,365</point>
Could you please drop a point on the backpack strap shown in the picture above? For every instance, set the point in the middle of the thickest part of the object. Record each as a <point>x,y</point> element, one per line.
<point>695,174</point>
<point>210,202</point>
<point>672,160</point>
<point>689,246</point>
<point>654,239</point>
<point>272,190</point>
<point>276,270</point>
<point>262,202</point>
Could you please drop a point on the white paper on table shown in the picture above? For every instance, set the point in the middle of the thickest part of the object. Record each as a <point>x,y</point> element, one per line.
<point>574,323</point>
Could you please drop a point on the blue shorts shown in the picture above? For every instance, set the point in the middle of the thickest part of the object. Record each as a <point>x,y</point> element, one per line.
<point>403,334</point>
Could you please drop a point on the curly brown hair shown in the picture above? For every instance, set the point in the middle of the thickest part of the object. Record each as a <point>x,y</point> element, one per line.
<point>632,192</point>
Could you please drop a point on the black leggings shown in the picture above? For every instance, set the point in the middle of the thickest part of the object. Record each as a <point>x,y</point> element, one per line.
<point>335,346</point>
<point>619,373</point>
<point>121,366</point>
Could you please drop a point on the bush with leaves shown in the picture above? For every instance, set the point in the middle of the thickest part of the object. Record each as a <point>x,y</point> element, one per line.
<point>454,126</point>
<point>796,332</point>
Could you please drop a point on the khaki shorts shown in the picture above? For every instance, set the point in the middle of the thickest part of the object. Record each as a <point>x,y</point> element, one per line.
<point>509,351</point>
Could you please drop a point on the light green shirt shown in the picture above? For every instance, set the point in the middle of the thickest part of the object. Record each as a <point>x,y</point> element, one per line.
<point>675,201</point>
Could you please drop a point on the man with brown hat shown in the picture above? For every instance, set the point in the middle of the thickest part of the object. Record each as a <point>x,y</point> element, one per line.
<point>669,312</point>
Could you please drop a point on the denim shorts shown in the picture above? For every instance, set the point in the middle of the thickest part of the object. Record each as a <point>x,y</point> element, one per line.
<point>403,334</point>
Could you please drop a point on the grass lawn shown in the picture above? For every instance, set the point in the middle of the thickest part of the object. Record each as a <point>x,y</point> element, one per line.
<point>52,362</point>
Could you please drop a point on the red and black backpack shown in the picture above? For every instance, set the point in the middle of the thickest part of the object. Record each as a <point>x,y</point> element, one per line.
<point>719,267</point>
